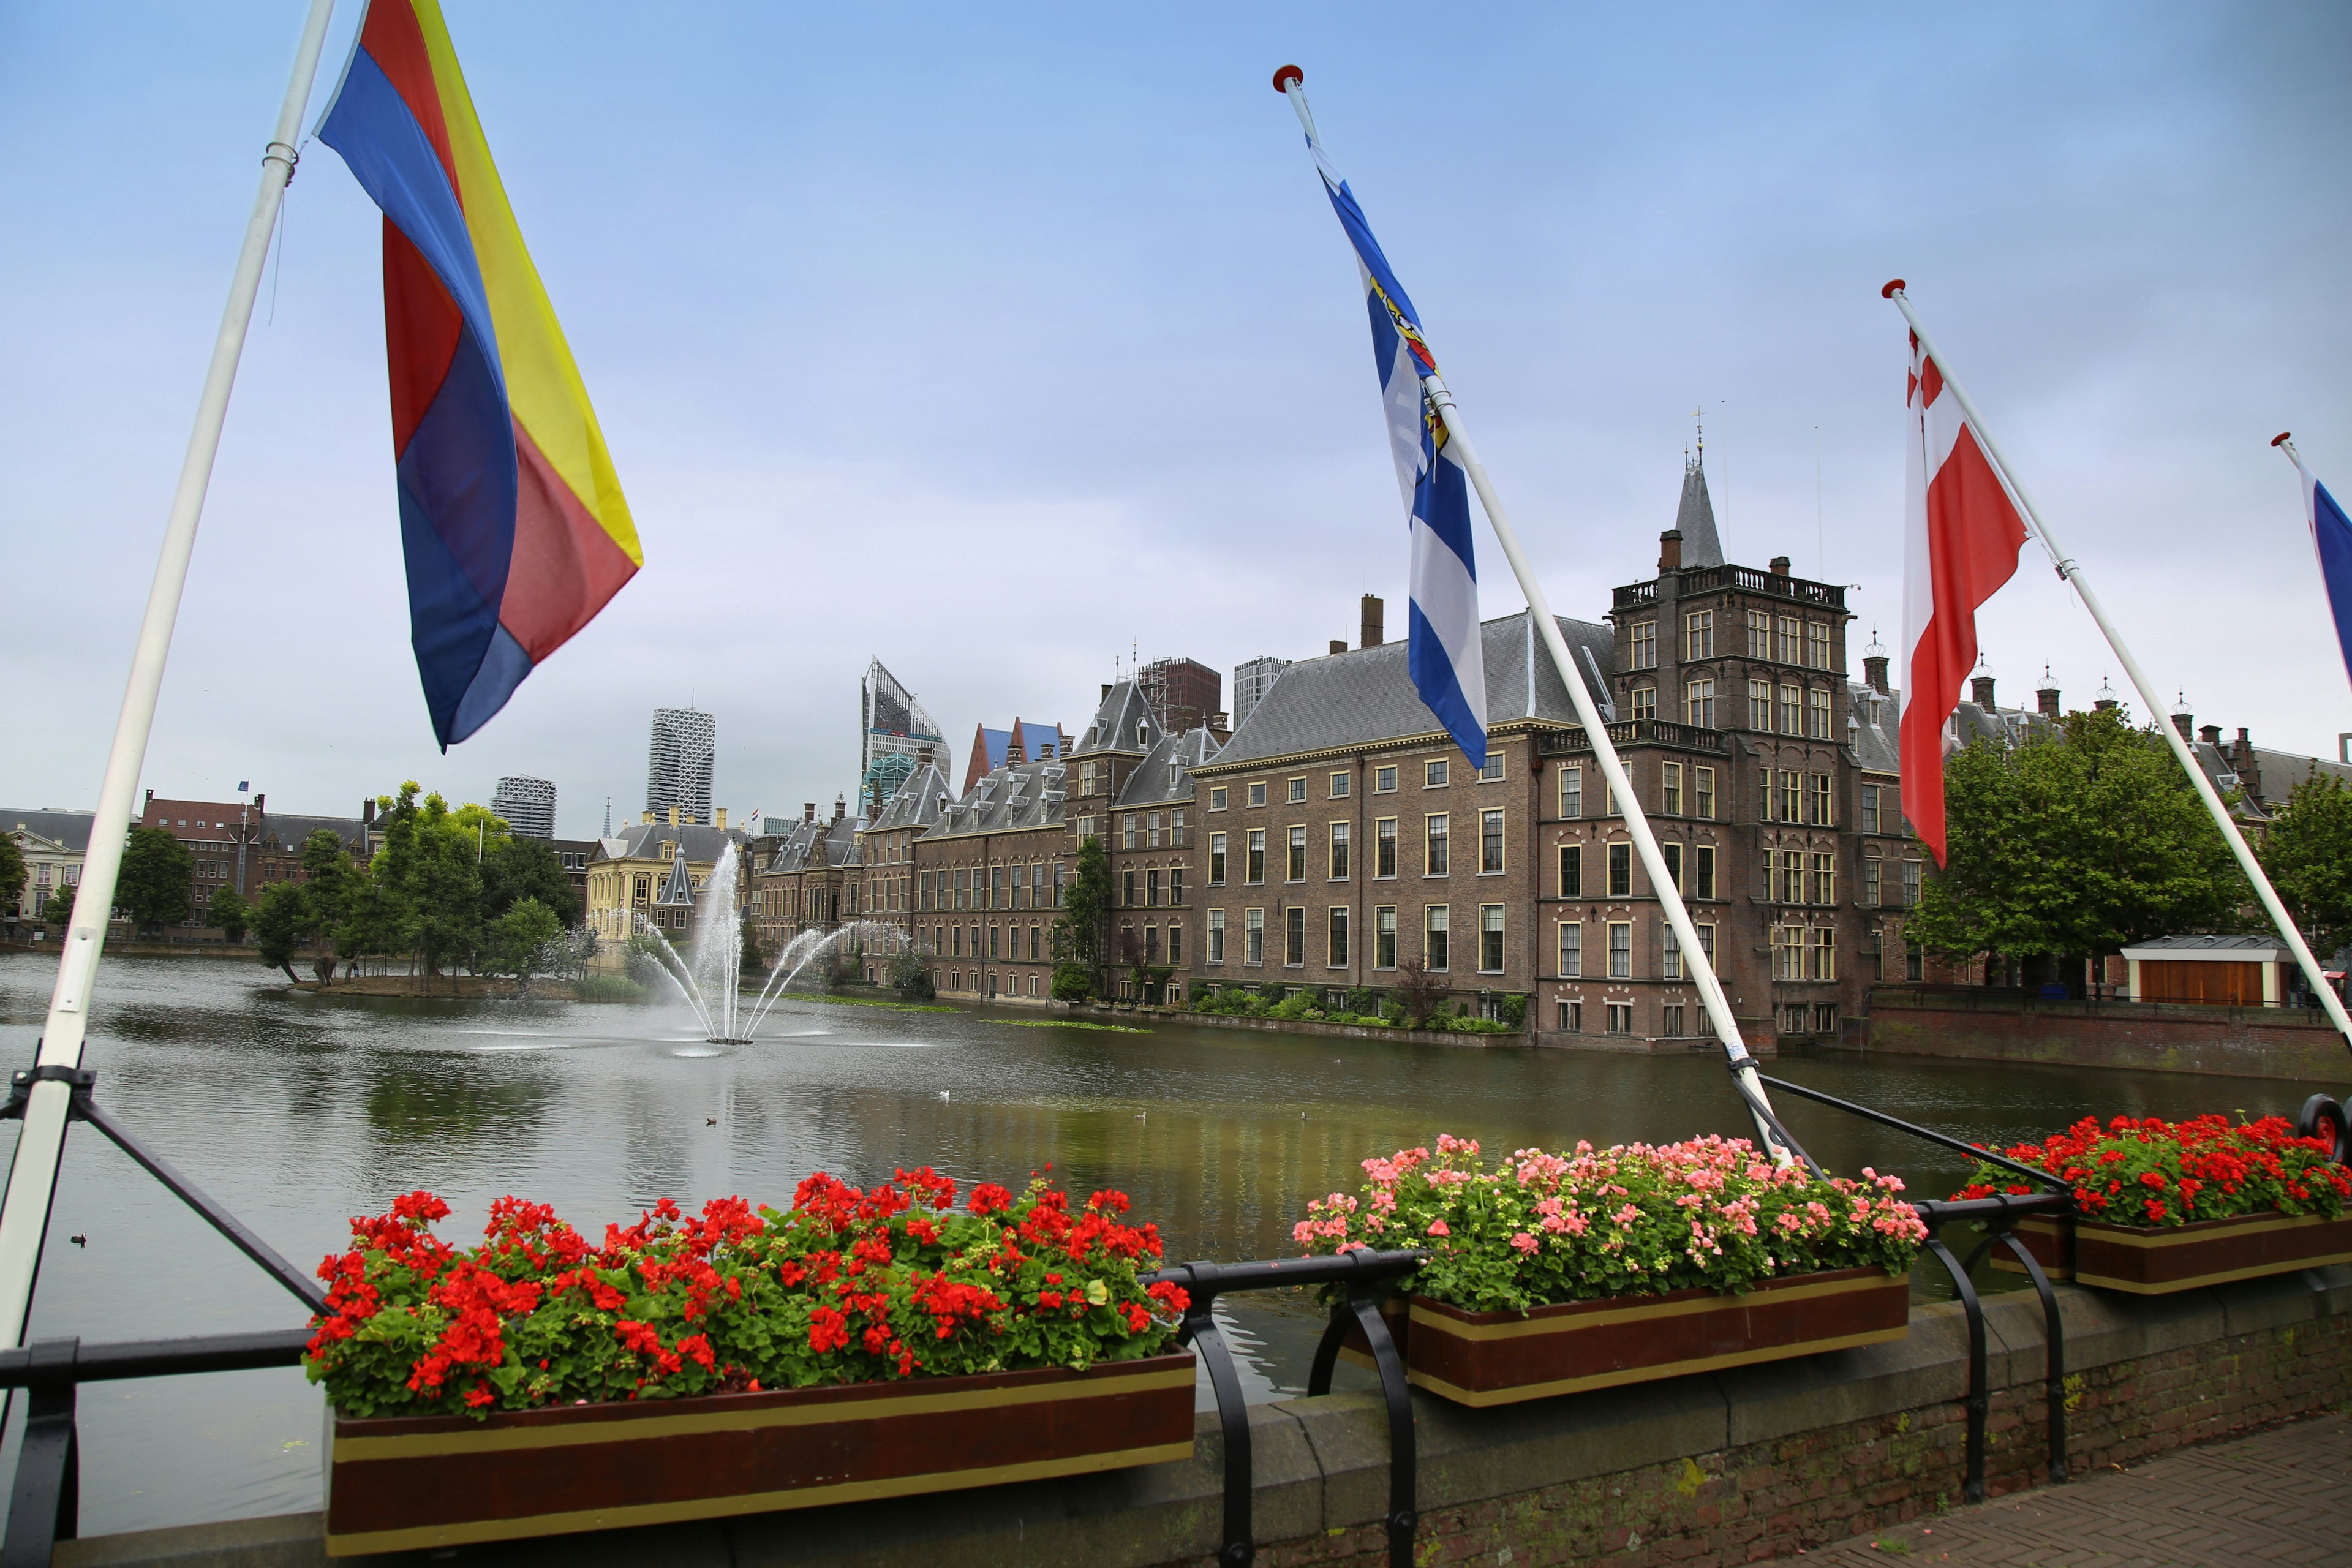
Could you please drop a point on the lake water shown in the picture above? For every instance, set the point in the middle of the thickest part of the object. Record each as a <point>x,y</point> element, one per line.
<point>298,1111</point>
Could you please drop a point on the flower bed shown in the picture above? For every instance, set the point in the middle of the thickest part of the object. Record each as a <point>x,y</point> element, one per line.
<point>2165,1206</point>
<point>862,1344</point>
<point>1699,1255</point>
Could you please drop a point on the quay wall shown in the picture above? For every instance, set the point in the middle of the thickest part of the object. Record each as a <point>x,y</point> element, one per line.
<point>1730,1467</point>
<point>1961,1023</point>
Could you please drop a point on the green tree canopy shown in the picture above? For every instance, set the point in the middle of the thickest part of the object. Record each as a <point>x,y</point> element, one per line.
<point>1082,931</point>
<point>283,924</point>
<point>2074,842</point>
<point>230,914</point>
<point>519,943</point>
<point>58,911</point>
<point>2308,854</point>
<point>517,868</point>
<point>13,872</point>
<point>429,862</point>
<point>157,881</point>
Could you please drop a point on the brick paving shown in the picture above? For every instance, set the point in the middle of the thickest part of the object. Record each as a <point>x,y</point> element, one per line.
<point>2278,1496</point>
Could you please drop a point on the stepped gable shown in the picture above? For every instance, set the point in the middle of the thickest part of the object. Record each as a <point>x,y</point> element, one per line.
<point>1367,696</point>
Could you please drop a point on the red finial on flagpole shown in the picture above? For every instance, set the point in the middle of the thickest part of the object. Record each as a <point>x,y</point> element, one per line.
<point>1893,288</point>
<point>2280,439</point>
<point>1286,75</point>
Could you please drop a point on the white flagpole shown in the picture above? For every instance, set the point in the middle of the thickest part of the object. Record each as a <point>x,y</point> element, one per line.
<point>32,1177</point>
<point>1290,82</point>
<point>2072,575</point>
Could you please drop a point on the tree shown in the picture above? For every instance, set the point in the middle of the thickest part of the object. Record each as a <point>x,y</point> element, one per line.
<point>427,898</point>
<point>13,872</point>
<point>517,868</point>
<point>1417,993</point>
<point>283,923</point>
<point>521,942</point>
<point>231,914</point>
<point>58,911</point>
<point>157,880</point>
<point>2074,842</point>
<point>1082,931</point>
<point>2308,854</point>
<point>910,975</point>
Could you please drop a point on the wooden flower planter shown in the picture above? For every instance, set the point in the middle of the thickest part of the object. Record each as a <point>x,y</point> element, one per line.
<point>397,1484</point>
<point>2155,1260</point>
<point>1501,1358</point>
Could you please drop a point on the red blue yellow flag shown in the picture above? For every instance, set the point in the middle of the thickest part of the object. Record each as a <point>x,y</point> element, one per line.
<point>511,519</point>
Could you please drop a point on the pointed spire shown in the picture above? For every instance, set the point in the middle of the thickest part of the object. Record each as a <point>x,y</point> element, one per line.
<point>1702,546</point>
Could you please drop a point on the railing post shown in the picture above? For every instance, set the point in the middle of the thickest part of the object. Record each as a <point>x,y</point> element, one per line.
<point>45,1504</point>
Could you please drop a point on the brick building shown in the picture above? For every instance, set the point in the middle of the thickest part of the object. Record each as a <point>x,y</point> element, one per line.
<point>985,880</point>
<point>808,879</point>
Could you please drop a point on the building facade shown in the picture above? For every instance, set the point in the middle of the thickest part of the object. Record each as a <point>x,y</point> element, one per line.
<point>527,805</point>
<point>636,878</point>
<point>678,764</point>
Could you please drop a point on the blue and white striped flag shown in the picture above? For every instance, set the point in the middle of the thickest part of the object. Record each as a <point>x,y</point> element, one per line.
<point>2331,538</point>
<point>1442,651</point>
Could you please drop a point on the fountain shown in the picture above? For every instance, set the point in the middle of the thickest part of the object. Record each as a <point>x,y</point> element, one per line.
<point>710,978</point>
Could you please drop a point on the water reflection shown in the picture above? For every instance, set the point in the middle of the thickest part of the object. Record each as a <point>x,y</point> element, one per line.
<point>300,1111</point>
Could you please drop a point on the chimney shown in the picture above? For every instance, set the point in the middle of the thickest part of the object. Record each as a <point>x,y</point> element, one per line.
<point>2210,733</point>
<point>1369,622</point>
<point>150,804</point>
<point>649,814</point>
<point>840,808</point>
<point>1779,566</point>
<point>1106,696</point>
<point>923,757</point>
<point>1339,646</point>
<point>367,811</point>
<point>1980,691</point>
<point>722,819</point>
<point>1873,672</point>
<point>1221,726</point>
<point>673,817</point>
<point>2183,722</point>
<point>1670,550</point>
<point>2047,700</point>
<point>2242,764</point>
<point>808,811</point>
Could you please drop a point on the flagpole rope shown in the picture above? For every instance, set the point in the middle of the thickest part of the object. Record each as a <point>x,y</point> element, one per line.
<point>1290,81</point>
<point>33,1174</point>
<point>2073,574</point>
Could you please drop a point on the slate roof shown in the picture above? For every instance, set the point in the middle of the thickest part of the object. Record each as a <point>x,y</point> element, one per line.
<point>69,828</point>
<point>917,803</point>
<point>1365,697</point>
<point>1873,724</point>
<point>1114,725</point>
<point>291,832</point>
<point>1023,795</point>
<point>1165,775</point>
<point>1702,545</point>
<point>643,840</point>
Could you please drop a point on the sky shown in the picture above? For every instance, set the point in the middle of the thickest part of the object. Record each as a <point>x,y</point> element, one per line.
<point>1007,344</point>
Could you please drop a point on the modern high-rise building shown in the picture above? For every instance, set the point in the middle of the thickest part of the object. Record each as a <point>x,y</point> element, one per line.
<point>894,731</point>
<point>528,806</point>
<point>1253,678</point>
<point>677,770</point>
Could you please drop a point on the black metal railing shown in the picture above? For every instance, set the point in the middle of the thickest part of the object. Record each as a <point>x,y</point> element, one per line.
<point>1632,733</point>
<point>1363,1272</point>
<point>1999,1214</point>
<point>45,1500</point>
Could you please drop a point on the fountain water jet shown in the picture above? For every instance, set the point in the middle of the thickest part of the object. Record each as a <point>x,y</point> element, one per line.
<point>710,978</point>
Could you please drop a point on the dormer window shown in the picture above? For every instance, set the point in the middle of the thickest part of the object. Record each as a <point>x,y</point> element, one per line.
<point>1143,732</point>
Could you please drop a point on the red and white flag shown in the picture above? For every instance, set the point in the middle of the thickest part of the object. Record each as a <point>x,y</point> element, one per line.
<point>1962,531</point>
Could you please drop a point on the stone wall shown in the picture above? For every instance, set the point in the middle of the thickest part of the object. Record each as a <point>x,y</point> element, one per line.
<point>1732,1467</point>
<point>2246,1042</point>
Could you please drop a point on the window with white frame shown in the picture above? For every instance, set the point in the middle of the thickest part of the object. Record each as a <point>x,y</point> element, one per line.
<point>1571,949</point>
<point>1620,949</point>
<point>1490,939</point>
